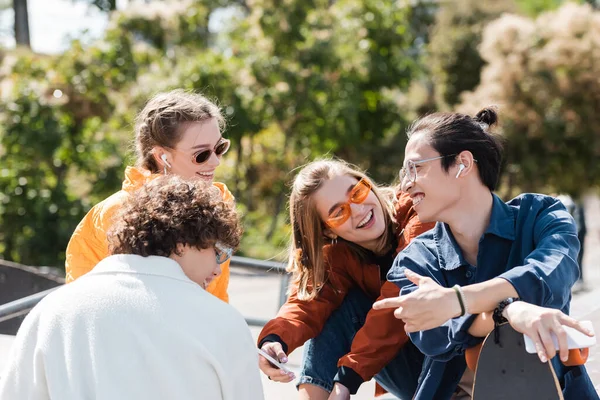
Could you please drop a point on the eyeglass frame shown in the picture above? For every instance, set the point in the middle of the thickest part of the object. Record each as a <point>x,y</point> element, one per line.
<point>211,151</point>
<point>346,205</point>
<point>413,164</point>
<point>221,250</point>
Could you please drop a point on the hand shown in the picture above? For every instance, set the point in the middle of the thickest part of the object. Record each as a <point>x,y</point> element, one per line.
<point>539,324</point>
<point>275,374</point>
<point>339,392</point>
<point>430,306</point>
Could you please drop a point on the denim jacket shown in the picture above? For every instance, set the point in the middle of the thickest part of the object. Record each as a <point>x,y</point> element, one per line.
<point>531,241</point>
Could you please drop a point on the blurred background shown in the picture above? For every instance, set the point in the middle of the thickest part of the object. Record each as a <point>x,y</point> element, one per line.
<point>297,79</point>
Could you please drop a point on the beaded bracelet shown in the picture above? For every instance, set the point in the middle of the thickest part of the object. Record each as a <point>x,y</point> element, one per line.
<point>497,316</point>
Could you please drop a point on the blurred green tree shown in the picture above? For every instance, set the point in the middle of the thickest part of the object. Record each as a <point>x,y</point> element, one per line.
<point>454,59</point>
<point>543,74</point>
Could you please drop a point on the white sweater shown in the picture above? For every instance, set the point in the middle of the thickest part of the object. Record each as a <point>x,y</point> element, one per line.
<point>133,328</point>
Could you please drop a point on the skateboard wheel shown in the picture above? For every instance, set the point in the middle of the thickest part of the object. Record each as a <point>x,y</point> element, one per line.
<point>472,355</point>
<point>577,357</point>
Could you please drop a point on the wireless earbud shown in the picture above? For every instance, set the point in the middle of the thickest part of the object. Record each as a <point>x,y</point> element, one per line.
<point>164,158</point>
<point>461,168</point>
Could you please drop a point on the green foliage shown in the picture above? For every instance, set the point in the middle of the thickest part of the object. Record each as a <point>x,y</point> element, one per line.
<point>543,73</point>
<point>453,51</point>
<point>296,79</point>
<point>533,8</point>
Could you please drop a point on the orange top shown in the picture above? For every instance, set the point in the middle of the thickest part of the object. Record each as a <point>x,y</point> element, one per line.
<point>382,334</point>
<point>89,244</point>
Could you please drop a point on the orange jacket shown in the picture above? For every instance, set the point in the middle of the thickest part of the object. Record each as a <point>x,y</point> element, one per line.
<point>382,335</point>
<point>89,245</point>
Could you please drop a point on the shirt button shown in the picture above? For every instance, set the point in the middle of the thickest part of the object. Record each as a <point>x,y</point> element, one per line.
<point>469,274</point>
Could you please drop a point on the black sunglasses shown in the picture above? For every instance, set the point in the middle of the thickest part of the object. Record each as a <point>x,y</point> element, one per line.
<point>203,155</point>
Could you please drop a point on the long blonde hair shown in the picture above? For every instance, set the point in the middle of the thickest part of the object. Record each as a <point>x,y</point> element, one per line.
<point>306,259</point>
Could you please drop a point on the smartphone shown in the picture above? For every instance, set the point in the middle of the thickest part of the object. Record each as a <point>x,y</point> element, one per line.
<point>274,361</point>
<point>575,339</point>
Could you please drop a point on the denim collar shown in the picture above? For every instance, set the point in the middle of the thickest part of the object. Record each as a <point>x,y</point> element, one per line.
<point>502,224</point>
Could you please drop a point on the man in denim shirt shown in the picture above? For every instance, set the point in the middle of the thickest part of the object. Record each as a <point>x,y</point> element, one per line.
<point>481,252</point>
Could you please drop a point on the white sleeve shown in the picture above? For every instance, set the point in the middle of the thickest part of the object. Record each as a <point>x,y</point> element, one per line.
<point>24,376</point>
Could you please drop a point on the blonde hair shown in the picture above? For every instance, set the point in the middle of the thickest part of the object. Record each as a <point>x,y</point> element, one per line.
<point>164,118</point>
<point>306,259</point>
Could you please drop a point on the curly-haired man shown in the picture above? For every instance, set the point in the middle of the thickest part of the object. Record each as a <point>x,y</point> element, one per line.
<point>140,325</point>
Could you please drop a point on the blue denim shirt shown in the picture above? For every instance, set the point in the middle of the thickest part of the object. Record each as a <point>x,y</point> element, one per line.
<point>531,241</point>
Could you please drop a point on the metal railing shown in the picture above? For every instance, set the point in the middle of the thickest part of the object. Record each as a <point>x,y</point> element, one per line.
<point>23,305</point>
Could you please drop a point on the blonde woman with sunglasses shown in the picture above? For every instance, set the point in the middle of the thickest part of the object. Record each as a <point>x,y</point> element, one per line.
<point>177,133</point>
<point>343,243</point>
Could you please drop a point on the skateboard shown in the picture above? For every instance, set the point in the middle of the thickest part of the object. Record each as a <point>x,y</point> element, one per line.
<point>504,370</point>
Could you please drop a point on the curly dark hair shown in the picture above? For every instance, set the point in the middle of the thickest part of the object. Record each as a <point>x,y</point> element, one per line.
<point>171,211</point>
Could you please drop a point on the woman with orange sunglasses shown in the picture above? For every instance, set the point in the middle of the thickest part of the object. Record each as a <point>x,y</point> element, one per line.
<point>344,240</point>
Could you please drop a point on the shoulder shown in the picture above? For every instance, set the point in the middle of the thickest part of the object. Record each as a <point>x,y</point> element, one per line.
<point>227,195</point>
<point>534,201</point>
<point>541,211</point>
<point>409,224</point>
<point>101,215</point>
<point>339,255</point>
<point>528,204</point>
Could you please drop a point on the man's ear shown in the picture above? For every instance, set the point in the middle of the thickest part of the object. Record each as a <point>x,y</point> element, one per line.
<point>465,158</point>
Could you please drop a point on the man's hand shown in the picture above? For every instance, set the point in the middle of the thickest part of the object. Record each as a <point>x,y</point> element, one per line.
<point>539,323</point>
<point>430,306</point>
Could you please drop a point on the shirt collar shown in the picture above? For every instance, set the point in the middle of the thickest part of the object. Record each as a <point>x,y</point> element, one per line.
<point>134,264</point>
<point>449,254</point>
<point>502,224</point>
<point>502,220</point>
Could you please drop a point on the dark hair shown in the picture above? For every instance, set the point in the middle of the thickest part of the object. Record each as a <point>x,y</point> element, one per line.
<point>164,118</point>
<point>171,211</point>
<point>452,133</point>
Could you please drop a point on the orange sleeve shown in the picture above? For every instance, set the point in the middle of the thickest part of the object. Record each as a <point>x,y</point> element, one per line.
<point>378,341</point>
<point>218,287</point>
<point>88,244</point>
<point>382,336</point>
<point>300,320</point>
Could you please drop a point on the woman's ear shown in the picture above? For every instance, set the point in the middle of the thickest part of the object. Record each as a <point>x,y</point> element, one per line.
<point>161,156</point>
<point>327,232</point>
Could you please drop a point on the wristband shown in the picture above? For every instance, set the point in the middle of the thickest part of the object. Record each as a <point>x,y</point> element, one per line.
<point>497,316</point>
<point>461,299</point>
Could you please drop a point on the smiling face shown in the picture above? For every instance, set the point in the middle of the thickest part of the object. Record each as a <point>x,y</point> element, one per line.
<point>196,136</point>
<point>435,191</point>
<point>366,224</point>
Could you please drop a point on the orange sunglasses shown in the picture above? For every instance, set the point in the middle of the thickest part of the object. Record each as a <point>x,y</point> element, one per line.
<point>342,212</point>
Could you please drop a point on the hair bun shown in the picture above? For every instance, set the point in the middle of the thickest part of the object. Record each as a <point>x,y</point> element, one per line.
<point>487,116</point>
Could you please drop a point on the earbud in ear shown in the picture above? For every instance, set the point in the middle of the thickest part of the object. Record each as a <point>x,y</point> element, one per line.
<point>461,167</point>
<point>164,158</point>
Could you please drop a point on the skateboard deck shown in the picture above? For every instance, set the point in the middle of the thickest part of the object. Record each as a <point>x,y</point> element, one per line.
<point>506,371</point>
